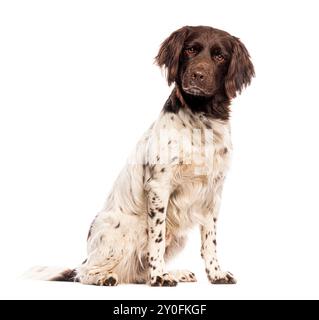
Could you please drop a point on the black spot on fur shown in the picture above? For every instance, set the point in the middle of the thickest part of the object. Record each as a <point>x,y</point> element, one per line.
<point>110,282</point>
<point>214,242</point>
<point>207,125</point>
<point>158,282</point>
<point>90,233</point>
<point>152,214</point>
<point>151,169</point>
<point>67,276</point>
<point>169,283</point>
<point>91,228</point>
<point>169,142</point>
<point>163,170</point>
<point>161,210</point>
<point>118,225</point>
<point>159,239</point>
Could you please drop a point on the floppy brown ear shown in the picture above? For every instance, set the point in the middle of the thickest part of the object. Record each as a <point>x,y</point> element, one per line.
<point>169,52</point>
<point>240,70</point>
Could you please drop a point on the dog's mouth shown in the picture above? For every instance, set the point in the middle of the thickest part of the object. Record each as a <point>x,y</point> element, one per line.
<point>196,91</point>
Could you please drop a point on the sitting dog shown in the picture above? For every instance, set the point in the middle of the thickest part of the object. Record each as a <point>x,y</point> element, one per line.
<point>174,178</point>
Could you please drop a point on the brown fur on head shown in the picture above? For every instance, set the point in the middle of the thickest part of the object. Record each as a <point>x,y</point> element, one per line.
<point>206,64</point>
<point>170,50</point>
<point>240,70</point>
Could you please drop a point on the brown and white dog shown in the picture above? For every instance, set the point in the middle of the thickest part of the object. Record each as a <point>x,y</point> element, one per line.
<point>174,178</point>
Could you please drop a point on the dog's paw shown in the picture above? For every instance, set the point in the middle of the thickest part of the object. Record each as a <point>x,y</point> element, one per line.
<point>184,276</point>
<point>222,278</point>
<point>109,280</point>
<point>166,280</point>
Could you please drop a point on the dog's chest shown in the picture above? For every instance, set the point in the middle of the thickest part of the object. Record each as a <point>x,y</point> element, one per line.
<point>199,177</point>
<point>204,153</point>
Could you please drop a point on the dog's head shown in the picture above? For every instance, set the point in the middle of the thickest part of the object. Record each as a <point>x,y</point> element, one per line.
<point>204,61</point>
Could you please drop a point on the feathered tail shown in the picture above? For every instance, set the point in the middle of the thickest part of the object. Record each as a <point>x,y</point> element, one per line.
<point>51,274</point>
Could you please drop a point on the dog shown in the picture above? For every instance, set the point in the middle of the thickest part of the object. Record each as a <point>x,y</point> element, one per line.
<point>174,178</point>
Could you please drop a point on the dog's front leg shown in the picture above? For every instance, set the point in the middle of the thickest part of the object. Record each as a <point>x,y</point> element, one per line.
<point>209,254</point>
<point>158,196</point>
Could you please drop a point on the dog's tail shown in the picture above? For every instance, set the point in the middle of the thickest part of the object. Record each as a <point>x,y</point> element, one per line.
<point>51,274</point>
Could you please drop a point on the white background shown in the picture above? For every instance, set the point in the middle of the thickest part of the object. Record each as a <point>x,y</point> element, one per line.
<point>78,87</point>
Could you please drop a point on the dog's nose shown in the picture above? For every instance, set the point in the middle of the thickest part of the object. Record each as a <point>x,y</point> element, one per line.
<point>198,76</point>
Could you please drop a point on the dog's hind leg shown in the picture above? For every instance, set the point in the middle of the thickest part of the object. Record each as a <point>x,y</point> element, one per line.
<point>98,269</point>
<point>106,249</point>
<point>100,275</point>
<point>115,249</point>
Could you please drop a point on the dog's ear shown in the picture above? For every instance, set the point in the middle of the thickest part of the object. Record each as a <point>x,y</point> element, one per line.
<point>240,70</point>
<point>169,53</point>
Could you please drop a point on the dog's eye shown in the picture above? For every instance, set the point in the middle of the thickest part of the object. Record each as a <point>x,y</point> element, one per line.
<point>190,51</point>
<point>220,57</point>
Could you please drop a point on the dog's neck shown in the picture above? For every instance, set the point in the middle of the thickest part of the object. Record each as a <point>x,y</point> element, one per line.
<point>216,106</point>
